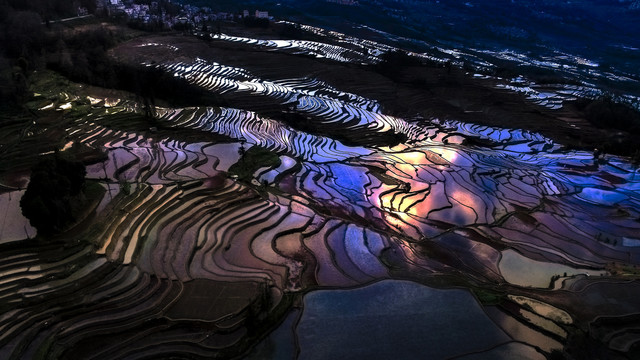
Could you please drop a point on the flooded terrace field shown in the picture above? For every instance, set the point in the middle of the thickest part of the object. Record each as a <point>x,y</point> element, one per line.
<point>292,206</point>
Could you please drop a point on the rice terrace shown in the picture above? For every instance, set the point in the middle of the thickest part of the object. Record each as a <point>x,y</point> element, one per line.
<point>291,191</point>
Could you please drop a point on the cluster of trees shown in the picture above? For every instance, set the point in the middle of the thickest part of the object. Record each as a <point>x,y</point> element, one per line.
<point>604,112</point>
<point>54,195</point>
<point>83,57</point>
<point>21,38</point>
<point>49,9</point>
<point>392,62</point>
<point>28,43</point>
<point>251,160</point>
<point>31,40</point>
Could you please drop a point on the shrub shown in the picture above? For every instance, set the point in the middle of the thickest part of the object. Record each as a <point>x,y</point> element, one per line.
<point>606,113</point>
<point>55,185</point>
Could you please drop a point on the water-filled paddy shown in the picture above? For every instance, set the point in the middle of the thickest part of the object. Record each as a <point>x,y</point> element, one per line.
<point>394,319</point>
<point>520,270</point>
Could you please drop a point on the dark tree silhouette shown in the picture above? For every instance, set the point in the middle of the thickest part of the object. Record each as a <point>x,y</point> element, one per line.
<point>606,113</point>
<point>55,185</point>
<point>23,34</point>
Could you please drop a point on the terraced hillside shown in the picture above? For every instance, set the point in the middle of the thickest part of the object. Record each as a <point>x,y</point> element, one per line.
<point>235,229</point>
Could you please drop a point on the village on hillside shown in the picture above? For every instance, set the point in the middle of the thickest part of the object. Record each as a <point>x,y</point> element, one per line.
<point>169,15</point>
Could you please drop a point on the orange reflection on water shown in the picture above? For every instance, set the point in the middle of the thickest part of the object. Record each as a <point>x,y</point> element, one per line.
<point>474,206</point>
<point>448,154</point>
<point>403,223</point>
<point>413,157</point>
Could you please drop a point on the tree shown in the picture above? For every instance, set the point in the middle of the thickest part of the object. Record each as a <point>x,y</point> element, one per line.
<point>56,185</point>
<point>23,35</point>
<point>392,62</point>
